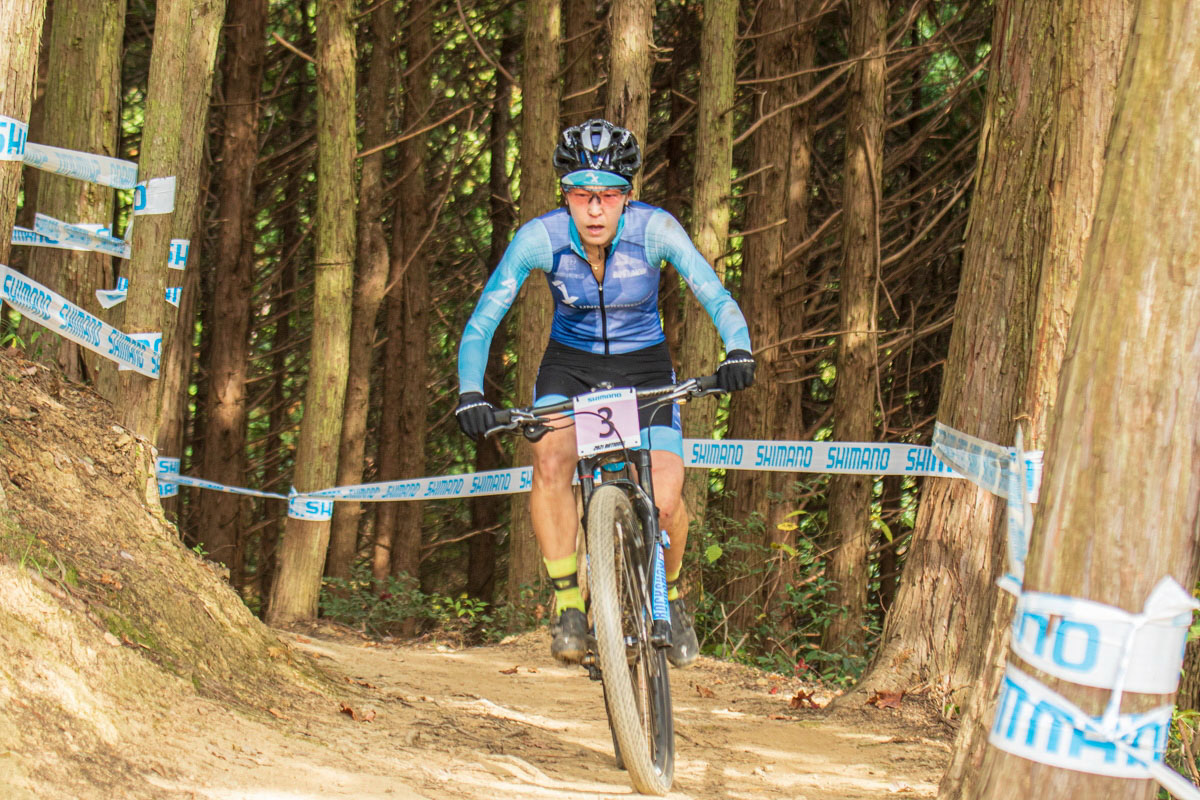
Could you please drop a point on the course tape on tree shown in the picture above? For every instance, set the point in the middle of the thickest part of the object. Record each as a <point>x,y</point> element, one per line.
<point>176,256</point>
<point>112,297</point>
<point>1079,641</point>
<point>770,456</point>
<point>47,308</point>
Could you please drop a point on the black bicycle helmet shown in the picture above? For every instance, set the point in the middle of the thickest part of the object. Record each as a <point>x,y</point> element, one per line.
<point>598,144</point>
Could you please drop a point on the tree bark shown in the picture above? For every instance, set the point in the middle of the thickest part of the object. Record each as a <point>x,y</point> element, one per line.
<point>710,218</point>
<point>181,69</point>
<point>81,109</point>
<point>296,591</point>
<point>410,249</point>
<point>631,40</point>
<point>20,30</point>
<point>752,413</point>
<point>370,284</point>
<point>486,512</point>
<point>539,186</point>
<point>222,517</point>
<point>581,72</point>
<point>1130,390</point>
<point>854,393</point>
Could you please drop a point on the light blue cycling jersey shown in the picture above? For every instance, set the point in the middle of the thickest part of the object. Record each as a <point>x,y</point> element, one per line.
<point>618,315</point>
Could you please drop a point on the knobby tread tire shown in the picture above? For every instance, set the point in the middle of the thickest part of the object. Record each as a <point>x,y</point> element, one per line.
<point>632,722</point>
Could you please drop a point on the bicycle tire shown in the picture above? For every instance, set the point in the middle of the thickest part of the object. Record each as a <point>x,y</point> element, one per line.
<point>637,689</point>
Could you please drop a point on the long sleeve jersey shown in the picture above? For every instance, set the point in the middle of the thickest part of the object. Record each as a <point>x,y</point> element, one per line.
<point>616,315</point>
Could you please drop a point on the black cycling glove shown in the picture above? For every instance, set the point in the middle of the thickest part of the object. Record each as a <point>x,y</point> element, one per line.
<point>736,372</point>
<point>475,415</point>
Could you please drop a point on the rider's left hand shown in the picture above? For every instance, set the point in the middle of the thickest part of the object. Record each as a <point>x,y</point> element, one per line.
<point>736,372</point>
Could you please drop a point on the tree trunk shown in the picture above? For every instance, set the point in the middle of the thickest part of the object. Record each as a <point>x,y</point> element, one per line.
<point>710,219</point>
<point>412,251</point>
<point>486,512</point>
<point>1130,390</point>
<point>581,71</point>
<point>854,392</point>
<point>20,30</point>
<point>296,591</point>
<point>1084,86</point>
<point>370,284</point>
<point>539,183</point>
<point>181,69</point>
<point>81,109</point>
<point>631,40</point>
<point>222,517</point>
<point>752,413</point>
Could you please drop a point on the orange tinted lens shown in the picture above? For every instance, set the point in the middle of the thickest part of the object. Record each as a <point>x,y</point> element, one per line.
<point>608,197</point>
<point>579,197</point>
<point>611,197</point>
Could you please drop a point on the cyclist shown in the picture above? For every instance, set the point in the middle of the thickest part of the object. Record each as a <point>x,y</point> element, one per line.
<point>602,254</point>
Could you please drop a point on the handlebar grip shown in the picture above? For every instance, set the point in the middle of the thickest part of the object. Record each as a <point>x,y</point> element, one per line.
<point>708,383</point>
<point>503,416</point>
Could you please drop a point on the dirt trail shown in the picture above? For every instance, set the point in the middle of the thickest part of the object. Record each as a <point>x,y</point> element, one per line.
<point>505,721</point>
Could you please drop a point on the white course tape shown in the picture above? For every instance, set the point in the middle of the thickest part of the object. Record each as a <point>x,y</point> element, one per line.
<point>113,297</point>
<point>473,484</point>
<point>166,469</point>
<point>155,196</point>
<point>153,341</point>
<point>178,256</point>
<point>302,506</point>
<point>13,134</point>
<point>1039,724</point>
<point>89,167</point>
<point>68,320</point>
<point>848,458</point>
<point>81,237</point>
<point>1093,644</point>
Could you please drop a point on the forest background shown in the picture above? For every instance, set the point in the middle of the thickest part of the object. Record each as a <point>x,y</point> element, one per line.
<point>899,195</point>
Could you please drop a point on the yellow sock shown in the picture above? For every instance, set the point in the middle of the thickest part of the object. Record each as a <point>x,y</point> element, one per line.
<point>564,574</point>
<point>672,589</point>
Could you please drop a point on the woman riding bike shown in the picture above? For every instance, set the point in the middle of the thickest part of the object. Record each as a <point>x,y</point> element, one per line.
<point>602,254</point>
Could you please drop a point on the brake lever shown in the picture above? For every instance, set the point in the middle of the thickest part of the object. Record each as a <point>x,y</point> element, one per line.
<point>534,433</point>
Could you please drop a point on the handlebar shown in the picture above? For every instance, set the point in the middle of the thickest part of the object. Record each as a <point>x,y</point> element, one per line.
<point>532,420</point>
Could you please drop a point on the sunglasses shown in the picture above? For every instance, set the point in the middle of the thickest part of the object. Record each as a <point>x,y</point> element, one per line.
<point>609,198</point>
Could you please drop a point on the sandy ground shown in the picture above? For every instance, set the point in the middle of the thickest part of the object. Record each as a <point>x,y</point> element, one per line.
<point>506,721</point>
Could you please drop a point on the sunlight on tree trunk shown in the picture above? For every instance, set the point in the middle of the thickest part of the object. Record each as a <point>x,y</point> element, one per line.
<point>631,42</point>
<point>296,591</point>
<point>855,391</point>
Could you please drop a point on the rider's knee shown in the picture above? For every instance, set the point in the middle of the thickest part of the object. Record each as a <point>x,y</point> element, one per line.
<point>552,465</point>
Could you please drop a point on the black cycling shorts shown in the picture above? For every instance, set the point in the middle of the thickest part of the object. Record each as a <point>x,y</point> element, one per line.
<point>566,372</point>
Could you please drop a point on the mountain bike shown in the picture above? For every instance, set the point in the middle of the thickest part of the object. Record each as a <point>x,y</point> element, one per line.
<point>626,591</point>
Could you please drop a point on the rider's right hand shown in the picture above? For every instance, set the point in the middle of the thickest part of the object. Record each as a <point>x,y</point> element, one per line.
<point>476,416</point>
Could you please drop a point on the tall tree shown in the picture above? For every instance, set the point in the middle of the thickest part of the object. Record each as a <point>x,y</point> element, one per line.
<point>81,111</point>
<point>710,216</point>
<point>20,30</point>
<point>581,77</point>
<point>539,190</point>
<point>631,40</point>
<point>181,69</point>
<point>1130,390</point>
<point>222,516</point>
<point>1090,43</point>
<point>408,344</point>
<point>296,590</point>
<point>370,285</point>
<point>854,393</point>
<point>753,412</point>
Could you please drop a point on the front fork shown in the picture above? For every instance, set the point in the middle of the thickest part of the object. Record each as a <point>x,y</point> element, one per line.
<point>660,611</point>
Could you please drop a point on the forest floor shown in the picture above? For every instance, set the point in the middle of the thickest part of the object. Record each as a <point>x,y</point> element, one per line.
<point>129,670</point>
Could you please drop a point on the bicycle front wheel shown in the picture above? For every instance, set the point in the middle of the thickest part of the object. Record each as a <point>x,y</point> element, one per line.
<point>637,690</point>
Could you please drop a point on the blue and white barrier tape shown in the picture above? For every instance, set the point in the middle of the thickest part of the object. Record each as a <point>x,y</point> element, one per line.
<point>167,467</point>
<point>1036,723</point>
<point>112,297</point>
<point>874,459</point>
<point>104,170</point>
<point>178,255</point>
<point>155,196</point>
<point>1093,644</point>
<point>13,136</point>
<point>68,320</point>
<point>82,237</point>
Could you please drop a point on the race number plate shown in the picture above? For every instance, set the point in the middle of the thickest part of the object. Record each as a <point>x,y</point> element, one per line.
<point>606,420</point>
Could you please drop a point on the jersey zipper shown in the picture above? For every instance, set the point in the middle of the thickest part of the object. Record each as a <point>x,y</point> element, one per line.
<point>603,312</point>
